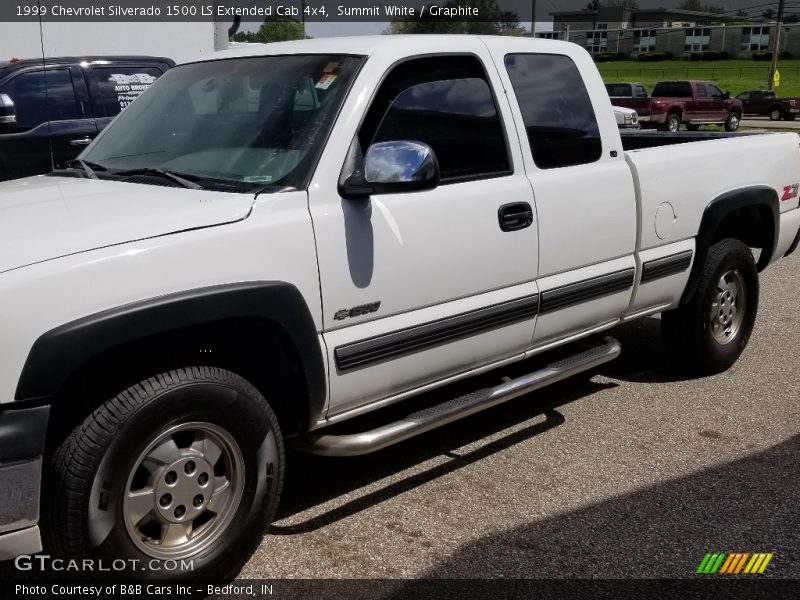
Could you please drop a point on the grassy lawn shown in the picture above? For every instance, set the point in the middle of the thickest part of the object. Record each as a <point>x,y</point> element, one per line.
<point>735,76</point>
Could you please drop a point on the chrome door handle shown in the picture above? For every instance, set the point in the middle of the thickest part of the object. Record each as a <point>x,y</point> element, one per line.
<point>81,142</point>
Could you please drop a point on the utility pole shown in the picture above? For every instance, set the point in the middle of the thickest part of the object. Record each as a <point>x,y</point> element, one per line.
<point>533,18</point>
<point>777,47</point>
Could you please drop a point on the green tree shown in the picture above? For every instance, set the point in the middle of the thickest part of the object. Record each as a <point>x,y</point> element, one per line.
<point>700,7</point>
<point>272,31</point>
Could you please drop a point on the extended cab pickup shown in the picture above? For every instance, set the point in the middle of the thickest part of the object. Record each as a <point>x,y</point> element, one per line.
<point>272,243</point>
<point>693,103</point>
<point>767,103</point>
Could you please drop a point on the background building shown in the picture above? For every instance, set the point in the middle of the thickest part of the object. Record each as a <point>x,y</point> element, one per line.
<point>614,30</point>
<point>178,41</point>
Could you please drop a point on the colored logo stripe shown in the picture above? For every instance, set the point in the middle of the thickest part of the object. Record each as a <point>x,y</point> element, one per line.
<point>734,563</point>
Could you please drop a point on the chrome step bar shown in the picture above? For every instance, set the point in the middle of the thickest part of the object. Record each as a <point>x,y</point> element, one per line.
<point>356,444</point>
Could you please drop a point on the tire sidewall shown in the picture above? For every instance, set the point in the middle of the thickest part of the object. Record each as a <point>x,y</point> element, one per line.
<point>247,422</point>
<point>732,122</point>
<point>673,118</point>
<point>740,259</point>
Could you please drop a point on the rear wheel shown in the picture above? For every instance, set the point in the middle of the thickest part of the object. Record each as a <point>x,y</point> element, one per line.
<point>186,466</point>
<point>775,114</point>
<point>708,334</point>
<point>672,124</point>
<point>733,121</point>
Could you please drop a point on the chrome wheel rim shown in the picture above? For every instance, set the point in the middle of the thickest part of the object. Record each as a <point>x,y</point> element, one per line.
<point>734,122</point>
<point>674,125</point>
<point>183,490</point>
<point>728,306</point>
<point>776,115</point>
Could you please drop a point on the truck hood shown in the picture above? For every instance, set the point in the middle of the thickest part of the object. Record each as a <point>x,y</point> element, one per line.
<point>42,218</point>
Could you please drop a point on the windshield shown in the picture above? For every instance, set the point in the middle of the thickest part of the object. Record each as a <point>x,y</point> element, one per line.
<point>248,122</point>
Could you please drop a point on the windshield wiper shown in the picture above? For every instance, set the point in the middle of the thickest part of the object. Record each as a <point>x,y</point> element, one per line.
<point>164,173</point>
<point>88,167</point>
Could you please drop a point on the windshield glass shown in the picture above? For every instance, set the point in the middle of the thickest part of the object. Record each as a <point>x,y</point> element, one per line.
<point>251,122</point>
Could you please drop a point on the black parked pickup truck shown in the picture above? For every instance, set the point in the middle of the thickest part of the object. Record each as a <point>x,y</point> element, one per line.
<point>50,110</point>
<point>767,103</point>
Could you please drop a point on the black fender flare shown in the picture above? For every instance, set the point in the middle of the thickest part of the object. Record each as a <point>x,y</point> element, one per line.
<point>715,213</point>
<point>60,352</point>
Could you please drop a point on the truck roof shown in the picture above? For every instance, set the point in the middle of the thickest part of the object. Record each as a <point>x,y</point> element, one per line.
<point>368,45</point>
<point>17,63</point>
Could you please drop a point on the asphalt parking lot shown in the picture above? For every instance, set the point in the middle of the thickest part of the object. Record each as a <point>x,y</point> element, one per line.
<point>627,473</point>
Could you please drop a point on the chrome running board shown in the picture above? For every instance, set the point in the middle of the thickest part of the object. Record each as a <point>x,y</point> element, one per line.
<point>355,444</point>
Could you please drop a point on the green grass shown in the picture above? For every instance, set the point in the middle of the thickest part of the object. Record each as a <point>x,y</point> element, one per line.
<point>735,76</point>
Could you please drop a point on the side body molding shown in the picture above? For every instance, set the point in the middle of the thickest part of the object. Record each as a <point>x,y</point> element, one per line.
<point>60,352</point>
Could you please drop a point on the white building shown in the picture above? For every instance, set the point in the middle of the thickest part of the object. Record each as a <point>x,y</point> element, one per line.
<point>179,41</point>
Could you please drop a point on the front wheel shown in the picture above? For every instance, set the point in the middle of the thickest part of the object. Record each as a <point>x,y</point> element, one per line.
<point>708,334</point>
<point>776,114</point>
<point>182,468</point>
<point>733,121</point>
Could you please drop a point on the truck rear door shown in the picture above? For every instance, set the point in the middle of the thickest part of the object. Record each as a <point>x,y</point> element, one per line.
<point>114,86</point>
<point>699,108</point>
<point>585,200</point>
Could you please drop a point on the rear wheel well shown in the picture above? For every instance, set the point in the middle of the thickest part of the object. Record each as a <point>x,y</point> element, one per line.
<point>754,225</point>
<point>255,349</point>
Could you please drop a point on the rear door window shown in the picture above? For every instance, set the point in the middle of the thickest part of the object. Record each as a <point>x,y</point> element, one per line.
<point>556,109</point>
<point>114,88</point>
<point>41,96</point>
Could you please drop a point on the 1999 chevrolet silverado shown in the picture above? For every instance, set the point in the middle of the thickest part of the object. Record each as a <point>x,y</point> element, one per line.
<point>272,243</point>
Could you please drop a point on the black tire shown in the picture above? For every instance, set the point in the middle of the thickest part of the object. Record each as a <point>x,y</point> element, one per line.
<point>733,121</point>
<point>775,114</point>
<point>673,123</point>
<point>693,342</point>
<point>692,126</point>
<point>97,466</point>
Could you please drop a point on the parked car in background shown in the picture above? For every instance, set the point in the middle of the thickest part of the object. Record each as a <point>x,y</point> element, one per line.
<point>693,103</point>
<point>627,118</point>
<point>767,103</point>
<point>51,110</point>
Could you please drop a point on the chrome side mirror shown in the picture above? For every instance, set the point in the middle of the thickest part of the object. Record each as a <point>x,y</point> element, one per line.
<point>393,168</point>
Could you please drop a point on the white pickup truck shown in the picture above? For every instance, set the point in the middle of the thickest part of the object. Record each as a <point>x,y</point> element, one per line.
<point>270,244</point>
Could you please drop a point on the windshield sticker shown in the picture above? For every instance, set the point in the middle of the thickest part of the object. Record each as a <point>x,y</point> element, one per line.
<point>326,81</point>
<point>258,179</point>
<point>332,66</point>
<point>129,87</point>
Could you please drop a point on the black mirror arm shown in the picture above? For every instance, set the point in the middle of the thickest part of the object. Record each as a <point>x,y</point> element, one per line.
<point>356,187</point>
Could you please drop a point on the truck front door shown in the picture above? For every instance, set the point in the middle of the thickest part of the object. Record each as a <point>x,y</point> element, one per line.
<point>417,287</point>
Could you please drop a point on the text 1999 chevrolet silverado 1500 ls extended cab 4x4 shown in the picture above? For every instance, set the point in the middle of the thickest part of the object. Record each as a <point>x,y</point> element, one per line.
<point>269,244</point>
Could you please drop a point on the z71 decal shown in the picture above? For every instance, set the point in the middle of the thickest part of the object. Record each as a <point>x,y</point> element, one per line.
<point>790,191</point>
<point>357,311</point>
